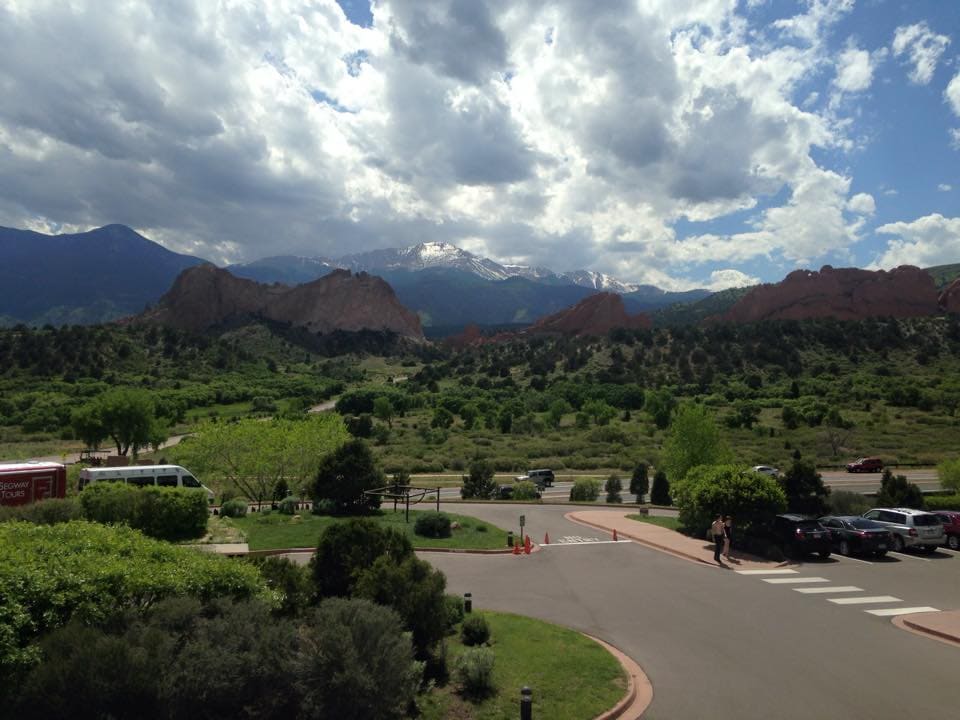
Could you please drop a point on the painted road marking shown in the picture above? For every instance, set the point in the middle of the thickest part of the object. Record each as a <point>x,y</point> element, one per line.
<point>908,557</point>
<point>865,600</point>
<point>577,540</point>
<point>781,571</point>
<point>784,581</point>
<point>901,611</point>
<point>837,589</point>
<point>848,557</point>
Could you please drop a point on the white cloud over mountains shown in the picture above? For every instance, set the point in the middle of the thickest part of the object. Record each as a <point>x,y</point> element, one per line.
<point>925,242</point>
<point>556,133</point>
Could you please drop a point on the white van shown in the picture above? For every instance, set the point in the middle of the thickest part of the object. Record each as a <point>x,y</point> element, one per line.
<point>142,475</point>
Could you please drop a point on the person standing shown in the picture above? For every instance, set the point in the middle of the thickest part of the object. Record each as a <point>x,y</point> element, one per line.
<point>716,529</point>
<point>727,535</point>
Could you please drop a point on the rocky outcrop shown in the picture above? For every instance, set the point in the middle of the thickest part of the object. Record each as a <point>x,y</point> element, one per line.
<point>843,294</point>
<point>594,315</point>
<point>950,297</point>
<point>204,297</point>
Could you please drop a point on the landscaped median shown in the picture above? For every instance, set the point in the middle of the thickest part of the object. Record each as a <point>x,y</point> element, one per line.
<point>275,531</point>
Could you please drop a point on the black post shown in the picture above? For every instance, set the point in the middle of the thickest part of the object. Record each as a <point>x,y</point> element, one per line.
<point>438,499</point>
<point>407,518</point>
<point>509,538</point>
<point>526,703</point>
<point>467,602</point>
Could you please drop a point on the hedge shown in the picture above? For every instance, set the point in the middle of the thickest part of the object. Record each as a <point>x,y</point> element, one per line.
<point>165,513</point>
<point>942,502</point>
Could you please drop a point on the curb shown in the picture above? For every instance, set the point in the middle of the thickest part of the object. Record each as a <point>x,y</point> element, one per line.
<point>918,629</point>
<point>656,546</point>
<point>639,693</point>
<point>288,551</point>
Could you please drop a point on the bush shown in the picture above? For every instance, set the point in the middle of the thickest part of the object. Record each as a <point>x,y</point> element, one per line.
<point>50,574</point>
<point>348,548</point>
<point>949,473</point>
<point>525,490</point>
<point>640,481</point>
<point>345,474</point>
<point>474,672</point>
<point>455,611</point>
<point>45,512</point>
<point>475,630</point>
<point>355,663</point>
<point>479,483</point>
<point>613,487</point>
<point>711,490</point>
<point>844,502</point>
<point>234,508</point>
<point>585,490</point>
<point>432,525</point>
<point>660,492</point>
<point>897,491</point>
<point>288,506</point>
<point>166,513</point>
<point>324,507</point>
<point>804,488</point>
<point>288,580</point>
<point>943,502</point>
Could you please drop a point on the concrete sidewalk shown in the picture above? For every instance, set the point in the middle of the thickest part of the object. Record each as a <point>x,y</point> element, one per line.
<point>943,625</point>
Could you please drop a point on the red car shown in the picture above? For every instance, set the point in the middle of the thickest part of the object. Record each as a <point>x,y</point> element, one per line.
<point>951,526</point>
<point>870,464</point>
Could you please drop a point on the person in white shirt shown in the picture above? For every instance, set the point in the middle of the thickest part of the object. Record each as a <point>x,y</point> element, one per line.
<point>716,529</point>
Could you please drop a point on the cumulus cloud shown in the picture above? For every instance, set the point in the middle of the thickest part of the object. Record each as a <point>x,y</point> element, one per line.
<point>925,242</point>
<point>954,134</point>
<point>729,278</point>
<point>862,204</point>
<point>922,49</point>
<point>952,94</point>
<point>566,134</point>
<point>944,187</point>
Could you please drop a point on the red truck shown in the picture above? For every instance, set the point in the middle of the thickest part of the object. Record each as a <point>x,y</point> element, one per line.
<point>22,483</point>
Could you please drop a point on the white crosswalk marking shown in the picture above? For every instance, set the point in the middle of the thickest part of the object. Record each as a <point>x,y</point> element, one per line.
<point>782,571</point>
<point>865,600</point>
<point>784,581</point>
<point>825,590</point>
<point>887,612</point>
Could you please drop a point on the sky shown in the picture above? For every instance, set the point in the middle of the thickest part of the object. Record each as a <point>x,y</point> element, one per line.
<point>680,143</point>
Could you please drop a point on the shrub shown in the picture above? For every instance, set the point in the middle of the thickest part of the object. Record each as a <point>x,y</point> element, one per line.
<point>474,671</point>
<point>348,548</point>
<point>479,483</point>
<point>525,490</point>
<point>640,481</point>
<point>942,502</point>
<point>897,491</point>
<point>345,474</point>
<point>45,512</point>
<point>845,502</point>
<point>288,580</point>
<point>355,663</point>
<point>475,630</point>
<point>804,488</point>
<point>949,473</point>
<point>613,487</point>
<point>324,507</point>
<point>432,525</point>
<point>660,492</point>
<point>166,513</point>
<point>288,506</point>
<point>455,611</point>
<point>234,508</point>
<point>711,490</point>
<point>585,490</point>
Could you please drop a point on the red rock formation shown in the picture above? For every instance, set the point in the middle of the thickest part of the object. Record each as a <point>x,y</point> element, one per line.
<point>950,298</point>
<point>844,294</point>
<point>470,337</point>
<point>205,296</point>
<point>594,315</point>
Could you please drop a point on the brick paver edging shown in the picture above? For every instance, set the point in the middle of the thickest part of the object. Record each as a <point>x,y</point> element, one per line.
<point>571,516</point>
<point>920,629</point>
<point>639,693</point>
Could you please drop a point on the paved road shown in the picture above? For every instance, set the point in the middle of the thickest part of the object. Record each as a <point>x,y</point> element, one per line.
<point>713,639</point>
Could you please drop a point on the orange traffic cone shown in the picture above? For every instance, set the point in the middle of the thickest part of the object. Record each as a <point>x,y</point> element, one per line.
<point>546,539</point>
<point>527,545</point>
<point>615,535</point>
<point>516,549</point>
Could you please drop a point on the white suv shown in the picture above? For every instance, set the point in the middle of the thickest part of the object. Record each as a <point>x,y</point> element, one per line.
<point>910,528</point>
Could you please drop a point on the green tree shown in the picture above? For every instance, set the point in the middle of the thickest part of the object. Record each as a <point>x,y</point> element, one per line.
<point>348,548</point>
<point>659,405</point>
<point>470,414</point>
<point>711,490</point>
<point>126,415</point>
<point>558,408</point>
<point>897,491</point>
<point>442,418</point>
<point>640,481</point>
<point>949,473</point>
<point>383,410</point>
<point>804,489</point>
<point>343,476</point>
<point>693,439</point>
<point>479,483</point>
<point>613,487</point>
<point>254,455</point>
<point>660,492</point>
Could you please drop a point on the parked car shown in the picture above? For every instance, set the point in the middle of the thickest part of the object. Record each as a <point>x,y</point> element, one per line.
<point>799,535</point>
<point>767,470</point>
<point>867,464</point>
<point>950,519</point>
<point>911,528</point>
<point>541,478</point>
<point>852,534</point>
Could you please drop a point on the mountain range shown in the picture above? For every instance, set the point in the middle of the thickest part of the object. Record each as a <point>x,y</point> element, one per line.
<point>111,272</point>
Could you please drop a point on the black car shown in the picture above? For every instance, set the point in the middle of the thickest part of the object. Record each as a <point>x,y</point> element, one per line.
<point>799,535</point>
<point>857,535</point>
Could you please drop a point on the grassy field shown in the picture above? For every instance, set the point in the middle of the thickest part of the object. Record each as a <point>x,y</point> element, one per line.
<point>572,677</point>
<point>271,531</point>
<point>667,522</point>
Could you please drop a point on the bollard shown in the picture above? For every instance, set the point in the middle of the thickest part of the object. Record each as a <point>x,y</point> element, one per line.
<point>526,703</point>
<point>509,538</point>
<point>467,603</point>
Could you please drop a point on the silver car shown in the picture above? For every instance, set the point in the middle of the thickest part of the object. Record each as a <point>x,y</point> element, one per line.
<point>910,528</point>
